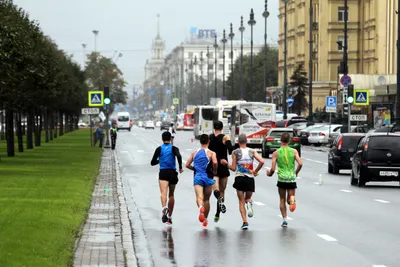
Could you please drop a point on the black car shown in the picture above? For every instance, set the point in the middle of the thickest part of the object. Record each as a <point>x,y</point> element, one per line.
<point>390,128</point>
<point>377,159</point>
<point>342,150</point>
<point>165,125</point>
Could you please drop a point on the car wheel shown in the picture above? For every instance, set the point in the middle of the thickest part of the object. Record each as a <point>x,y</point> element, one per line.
<point>353,181</point>
<point>335,169</point>
<point>330,168</point>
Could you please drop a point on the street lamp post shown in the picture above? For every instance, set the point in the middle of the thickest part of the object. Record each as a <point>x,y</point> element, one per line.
<point>284,101</point>
<point>95,32</point>
<point>310,66</point>
<point>251,23</point>
<point>208,74</point>
<point>201,77</point>
<point>223,63</point>
<point>231,35</point>
<point>215,70</point>
<point>397,120</point>
<point>241,29</point>
<point>265,15</point>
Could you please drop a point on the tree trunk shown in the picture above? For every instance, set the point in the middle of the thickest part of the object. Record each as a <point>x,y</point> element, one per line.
<point>55,124</point>
<point>2,124</point>
<point>10,133</point>
<point>61,121</point>
<point>37,128</point>
<point>23,125</point>
<point>29,129</point>
<point>19,132</point>
<point>46,125</point>
<point>51,125</point>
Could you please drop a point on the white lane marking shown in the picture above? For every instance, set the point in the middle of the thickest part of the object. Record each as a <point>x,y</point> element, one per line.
<point>258,203</point>
<point>124,151</point>
<point>290,219</point>
<point>316,161</point>
<point>317,183</point>
<point>346,191</point>
<point>189,149</point>
<point>327,238</point>
<point>140,151</point>
<point>381,201</point>
<point>378,265</point>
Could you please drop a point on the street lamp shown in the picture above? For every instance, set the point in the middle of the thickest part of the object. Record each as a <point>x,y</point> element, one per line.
<point>265,15</point>
<point>251,23</point>
<point>241,29</point>
<point>215,78</point>
<point>208,74</point>
<point>95,32</point>
<point>284,102</point>
<point>231,35</point>
<point>397,120</point>
<point>223,62</point>
<point>201,77</point>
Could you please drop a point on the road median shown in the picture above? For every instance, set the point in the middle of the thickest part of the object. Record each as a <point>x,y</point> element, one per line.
<point>45,197</point>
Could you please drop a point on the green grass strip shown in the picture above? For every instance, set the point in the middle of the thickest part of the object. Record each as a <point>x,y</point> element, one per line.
<point>45,195</point>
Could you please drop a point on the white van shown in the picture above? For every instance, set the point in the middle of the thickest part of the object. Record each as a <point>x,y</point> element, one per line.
<point>224,113</point>
<point>123,121</point>
<point>204,117</point>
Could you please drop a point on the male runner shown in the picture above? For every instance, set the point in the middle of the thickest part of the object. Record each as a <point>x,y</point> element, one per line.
<point>172,131</point>
<point>202,182</point>
<point>168,177</point>
<point>286,156</point>
<point>242,163</point>
<point>221,145</point>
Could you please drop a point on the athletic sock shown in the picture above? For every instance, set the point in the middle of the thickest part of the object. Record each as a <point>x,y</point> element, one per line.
<point>285,219</point>
<point>217,194</point>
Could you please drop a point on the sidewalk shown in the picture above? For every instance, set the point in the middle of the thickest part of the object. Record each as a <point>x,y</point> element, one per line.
<point>106,236</point>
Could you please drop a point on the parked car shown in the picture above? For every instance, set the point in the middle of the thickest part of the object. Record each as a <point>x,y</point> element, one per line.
<point>342,150</point>
<point>320,135</point>
<point>158,124</point>
<point>391,128</point>
<point>149,125</point>
<point>377,159</point>
<point>165,125</point>
<point>354,129</point>
<point>293,120</point>
<point>305,133</point>
<point>272,141</point>
<point>297,127</point>
<point>140,124</point>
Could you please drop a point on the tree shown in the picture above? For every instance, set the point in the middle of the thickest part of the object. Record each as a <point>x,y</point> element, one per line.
<point>102,71</point>
<point>257,93</point>
<point>299,84</point>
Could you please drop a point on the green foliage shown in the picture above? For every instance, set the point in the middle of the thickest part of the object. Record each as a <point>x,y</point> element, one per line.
<point>102,71</point>
<point>299,89</point>
<point>257,93</point>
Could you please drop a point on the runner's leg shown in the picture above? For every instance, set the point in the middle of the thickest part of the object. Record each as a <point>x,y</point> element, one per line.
<point>249,203</point>
<point>206,201</point>
<point>198,189</point>
<point>215,187</point>
<point>223,181</point>
<point>241,197</point>
<point>292,199</point>
<point>164,190</point>
<point>282,205</point>
<point>171,199</point>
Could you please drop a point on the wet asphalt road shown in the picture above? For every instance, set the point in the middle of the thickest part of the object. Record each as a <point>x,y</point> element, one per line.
<point>334,225</point>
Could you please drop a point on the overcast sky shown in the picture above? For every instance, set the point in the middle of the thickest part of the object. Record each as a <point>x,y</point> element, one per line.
<point>129,26</point>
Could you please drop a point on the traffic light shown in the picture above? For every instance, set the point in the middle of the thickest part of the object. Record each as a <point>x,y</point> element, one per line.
<point>346,110</point>
<point>107,99</point>
<point>350,94</point>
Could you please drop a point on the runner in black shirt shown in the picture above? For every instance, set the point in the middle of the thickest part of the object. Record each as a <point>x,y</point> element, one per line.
<point>221,145</point>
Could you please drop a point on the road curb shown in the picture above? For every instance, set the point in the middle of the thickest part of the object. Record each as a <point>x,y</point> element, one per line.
<point>127,233</point>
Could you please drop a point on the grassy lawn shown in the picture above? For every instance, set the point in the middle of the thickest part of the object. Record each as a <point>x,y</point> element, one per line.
<point>44,198</point>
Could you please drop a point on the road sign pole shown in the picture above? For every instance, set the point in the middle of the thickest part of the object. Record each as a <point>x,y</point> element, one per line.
<point>91,131</point>
<point>107,144</point>
<point>349,120</point>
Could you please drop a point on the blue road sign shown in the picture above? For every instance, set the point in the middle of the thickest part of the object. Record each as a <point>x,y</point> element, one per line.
<point>168,92</point>
<point>345,80</point>
<point>134,93</point>
<point>331,101</point>
<point>152,92</point>
<point>290,102</point>
<point>154,102</point>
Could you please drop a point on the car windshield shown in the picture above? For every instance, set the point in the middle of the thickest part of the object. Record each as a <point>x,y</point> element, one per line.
<point>123,118</point>
<point>279,133</point>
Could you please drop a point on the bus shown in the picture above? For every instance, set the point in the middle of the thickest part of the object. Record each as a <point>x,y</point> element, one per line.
<point>204,117</point>
<point>224,113</point>
<point>188,121</point>
<point>253,119</point>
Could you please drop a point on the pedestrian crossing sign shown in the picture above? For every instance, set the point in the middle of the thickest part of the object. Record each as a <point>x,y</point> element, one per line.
<point>96,98</point>
<point>361,97</point>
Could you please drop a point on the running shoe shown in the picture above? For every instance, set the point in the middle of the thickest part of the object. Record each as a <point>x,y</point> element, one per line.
<point>205,223</point>
<point>164,217</point>
<point>292,205</point>
<point>245,226</point>
<point>221,204</point>
<point>201,215</point>
<point>284,224</point>
<point>169,221</point>
<point>250,210</point>
<point>216,218</point>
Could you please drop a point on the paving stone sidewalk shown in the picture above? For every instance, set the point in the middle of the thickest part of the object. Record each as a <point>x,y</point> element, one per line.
<point>106,238</point>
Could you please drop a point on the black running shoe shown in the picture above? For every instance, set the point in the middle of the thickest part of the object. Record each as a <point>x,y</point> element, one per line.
<point>169,221</point>
<point>221,205</point>
<point>164,217</point>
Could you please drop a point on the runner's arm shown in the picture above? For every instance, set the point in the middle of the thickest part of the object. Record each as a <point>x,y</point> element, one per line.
<point>214,162</point>
<point>299,161</point>
<point>154,160</point>
<point>189,162</point>
<point>227,142</point>
<point>176,152</point>
<point>273,165</point>
<point>260,161</point>
<point>234,164</point>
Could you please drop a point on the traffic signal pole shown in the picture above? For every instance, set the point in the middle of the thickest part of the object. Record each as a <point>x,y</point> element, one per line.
<point>345,119</point>
<point>398,70</point>
<point>107,96</point>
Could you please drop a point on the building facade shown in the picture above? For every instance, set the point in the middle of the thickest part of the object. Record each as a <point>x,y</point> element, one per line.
<point>371,40</point>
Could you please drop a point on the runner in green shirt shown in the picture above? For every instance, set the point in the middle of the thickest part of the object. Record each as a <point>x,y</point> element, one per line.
<point>286,156</point>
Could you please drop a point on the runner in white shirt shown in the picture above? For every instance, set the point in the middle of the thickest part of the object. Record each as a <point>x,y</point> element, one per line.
<point>172,131</point>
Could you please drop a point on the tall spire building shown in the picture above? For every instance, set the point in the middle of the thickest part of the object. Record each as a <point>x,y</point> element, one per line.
<point>157,59</point>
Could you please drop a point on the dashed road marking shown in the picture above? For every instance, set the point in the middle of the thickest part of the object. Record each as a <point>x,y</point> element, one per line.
<point>381,201</point>
<point>316,161</point>
<point>346,191</point>
<point>189,149</point>
<point>290,219</point>
<point>258,203</point>
<point>317,183</point>
<point>140,151</point>
<point>327,238</point>
<point>378,265</point>
<point>124,151</point>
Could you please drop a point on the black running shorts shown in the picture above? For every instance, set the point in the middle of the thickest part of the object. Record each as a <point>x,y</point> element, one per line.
<point>245,184</point>
<point>222,171</point>
<point>286,185</point>
<point>169,175</point>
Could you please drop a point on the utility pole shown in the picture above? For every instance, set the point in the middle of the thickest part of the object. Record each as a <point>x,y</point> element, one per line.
<point>397,120</point>
<point>346,117</point>
<point>310,67</point>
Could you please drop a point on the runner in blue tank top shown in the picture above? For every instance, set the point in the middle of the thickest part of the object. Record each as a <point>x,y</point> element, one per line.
<point>201,159</point>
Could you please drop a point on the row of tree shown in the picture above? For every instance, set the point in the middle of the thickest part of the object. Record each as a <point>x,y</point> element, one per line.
<point>41,87</point>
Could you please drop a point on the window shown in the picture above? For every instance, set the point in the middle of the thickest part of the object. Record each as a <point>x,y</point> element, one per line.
<point>123,118</point>
<point>230,66</point>
<point>340,43</point>
<point>207,114</point>
<point>341,14</point>
<point>190,54</point>
<point>226,114</point>
<point>279,133</point>
<point>211,55</point>
<point>221,55</point>
<point>210,66</point>
<point>221,66</point>
<point>230,55</point>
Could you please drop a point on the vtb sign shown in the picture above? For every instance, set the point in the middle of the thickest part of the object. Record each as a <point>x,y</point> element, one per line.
<point>203,33</point>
